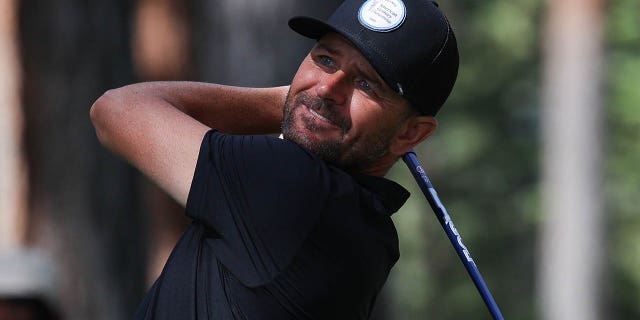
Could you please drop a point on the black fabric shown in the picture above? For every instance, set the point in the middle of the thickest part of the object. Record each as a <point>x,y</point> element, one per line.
<point>277,234</point>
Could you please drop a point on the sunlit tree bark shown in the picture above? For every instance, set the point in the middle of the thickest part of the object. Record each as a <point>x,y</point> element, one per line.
<point>572,235</point>
<point>12,166</point>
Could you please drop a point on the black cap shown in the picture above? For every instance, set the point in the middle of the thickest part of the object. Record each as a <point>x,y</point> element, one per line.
<point>409,42</point>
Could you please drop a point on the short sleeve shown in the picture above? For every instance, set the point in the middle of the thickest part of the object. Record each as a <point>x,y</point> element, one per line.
<point>259,198</point>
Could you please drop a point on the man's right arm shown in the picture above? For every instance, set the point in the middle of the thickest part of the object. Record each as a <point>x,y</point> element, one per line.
<point>235,110</point>
<point>158,126</point>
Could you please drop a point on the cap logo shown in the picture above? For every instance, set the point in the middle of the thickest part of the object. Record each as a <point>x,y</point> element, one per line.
<point>382,15</point>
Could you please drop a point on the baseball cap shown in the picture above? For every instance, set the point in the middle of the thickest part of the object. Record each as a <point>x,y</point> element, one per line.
<point>410,43</point>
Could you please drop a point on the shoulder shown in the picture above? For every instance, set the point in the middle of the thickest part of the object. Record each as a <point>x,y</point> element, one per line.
<point>261,171</point>
<point>262,155</point>
<point>257,147</point>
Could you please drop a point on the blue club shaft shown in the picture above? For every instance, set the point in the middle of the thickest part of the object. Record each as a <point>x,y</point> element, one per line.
<point>440,211</point>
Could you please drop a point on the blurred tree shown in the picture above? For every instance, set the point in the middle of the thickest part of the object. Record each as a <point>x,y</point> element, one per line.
<point>248,42</point>
<point>83,201</point>
<point>572,232</point>
<point>13,188</point>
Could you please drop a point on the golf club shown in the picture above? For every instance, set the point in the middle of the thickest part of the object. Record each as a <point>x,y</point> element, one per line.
<point>440,211</point>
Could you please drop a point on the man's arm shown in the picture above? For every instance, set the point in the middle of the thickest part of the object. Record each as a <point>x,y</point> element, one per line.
<point>158,126</point>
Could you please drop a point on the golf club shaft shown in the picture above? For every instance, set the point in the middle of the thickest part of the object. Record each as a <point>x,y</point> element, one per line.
<point>440,211</point>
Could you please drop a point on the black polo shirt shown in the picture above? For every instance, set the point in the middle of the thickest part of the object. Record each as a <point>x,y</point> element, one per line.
<point>277,234</point>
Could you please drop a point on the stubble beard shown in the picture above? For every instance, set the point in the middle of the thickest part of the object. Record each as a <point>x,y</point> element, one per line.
<point>355,157</point>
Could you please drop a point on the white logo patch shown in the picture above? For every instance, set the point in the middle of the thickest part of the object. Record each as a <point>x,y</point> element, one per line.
<point>382,15</point>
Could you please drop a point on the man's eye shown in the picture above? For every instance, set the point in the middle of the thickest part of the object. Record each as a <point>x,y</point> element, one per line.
<point>325,61</point>
<point>365,86</point>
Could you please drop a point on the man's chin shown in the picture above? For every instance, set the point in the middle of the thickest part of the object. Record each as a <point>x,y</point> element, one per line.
<point>327,150</point>
<point>314,139</point>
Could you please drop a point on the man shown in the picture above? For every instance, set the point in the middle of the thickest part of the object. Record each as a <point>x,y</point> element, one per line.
<point>293,228</point>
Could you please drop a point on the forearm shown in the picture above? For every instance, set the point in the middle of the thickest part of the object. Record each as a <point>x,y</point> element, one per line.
<point>228,109</point>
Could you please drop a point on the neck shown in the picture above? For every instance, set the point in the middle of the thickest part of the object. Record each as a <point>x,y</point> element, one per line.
<point>379,168</point>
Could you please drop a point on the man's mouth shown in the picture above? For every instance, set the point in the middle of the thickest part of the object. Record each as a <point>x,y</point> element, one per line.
<point>322,111</point>
<point>315,113</point>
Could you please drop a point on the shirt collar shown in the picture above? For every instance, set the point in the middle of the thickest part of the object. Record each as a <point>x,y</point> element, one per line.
<point>392,195</point>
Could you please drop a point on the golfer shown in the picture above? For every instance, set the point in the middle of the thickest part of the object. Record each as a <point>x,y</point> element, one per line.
<point>299,227</point>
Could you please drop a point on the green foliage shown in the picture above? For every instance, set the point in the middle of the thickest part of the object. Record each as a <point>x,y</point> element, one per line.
<point>622,179</point>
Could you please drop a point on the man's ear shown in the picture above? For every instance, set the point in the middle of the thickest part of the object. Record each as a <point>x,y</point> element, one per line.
<point>411,133</point>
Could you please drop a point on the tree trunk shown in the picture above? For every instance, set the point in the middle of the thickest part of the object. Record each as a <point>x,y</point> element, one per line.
<point>572,235</point>
<point>12,169</point>
<point>240,42</point>
<point>83,201</point>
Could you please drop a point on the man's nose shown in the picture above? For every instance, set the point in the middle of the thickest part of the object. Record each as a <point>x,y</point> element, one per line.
<point>334,86</point>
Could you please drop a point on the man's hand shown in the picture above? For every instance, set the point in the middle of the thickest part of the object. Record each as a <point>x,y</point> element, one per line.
<point>158,126</point>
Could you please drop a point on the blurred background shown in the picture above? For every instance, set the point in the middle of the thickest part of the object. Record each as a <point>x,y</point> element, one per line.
<point>535,158</point>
